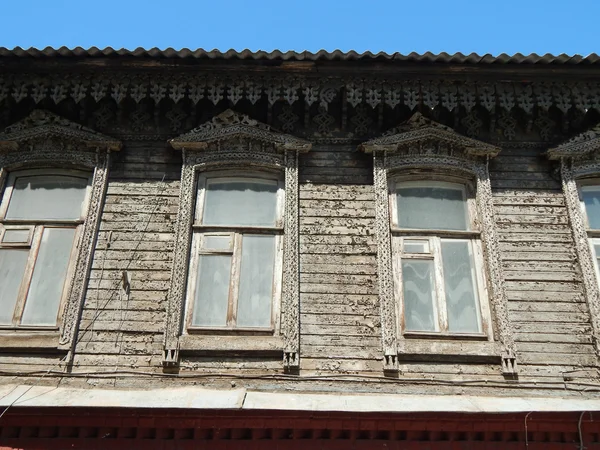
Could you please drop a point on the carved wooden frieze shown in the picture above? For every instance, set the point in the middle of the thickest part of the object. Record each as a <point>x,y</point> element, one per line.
<point>44,139</point>
<point>330,105</point>
<point>232,140</point>
<point>371,91</point>
<point>423,144</point>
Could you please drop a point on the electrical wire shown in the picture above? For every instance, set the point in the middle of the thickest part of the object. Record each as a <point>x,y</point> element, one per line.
<point>331,378</point>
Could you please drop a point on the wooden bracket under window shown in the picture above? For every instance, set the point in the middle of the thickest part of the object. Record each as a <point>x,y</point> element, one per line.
<point>171,357</point>
<point>509,363</point>
<point>390,363</point>
<point>290,360</point>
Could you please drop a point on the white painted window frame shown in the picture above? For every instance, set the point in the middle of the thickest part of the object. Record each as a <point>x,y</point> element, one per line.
<point>36,228</point>
<point>434,238</point>
<point>236,232</point>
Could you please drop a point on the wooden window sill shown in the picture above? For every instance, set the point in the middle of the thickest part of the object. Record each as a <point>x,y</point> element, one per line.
<point>199,344</point>
<point>28,340</point>
<point>447,350</point>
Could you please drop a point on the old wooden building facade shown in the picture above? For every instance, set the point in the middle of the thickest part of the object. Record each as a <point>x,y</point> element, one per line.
<point>294,249</point>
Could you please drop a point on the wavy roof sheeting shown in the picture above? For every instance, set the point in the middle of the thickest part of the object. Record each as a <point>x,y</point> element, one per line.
<point>322,55</point>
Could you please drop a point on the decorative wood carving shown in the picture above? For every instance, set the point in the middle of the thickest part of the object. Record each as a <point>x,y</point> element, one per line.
<point>578,158</point>
<point>422,143</point>
<point>45,140</point>
<point>468,99</point>
<point>237,141</point>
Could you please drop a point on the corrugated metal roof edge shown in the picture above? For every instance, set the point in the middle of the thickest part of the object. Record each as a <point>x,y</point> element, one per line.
<point>322,55</point>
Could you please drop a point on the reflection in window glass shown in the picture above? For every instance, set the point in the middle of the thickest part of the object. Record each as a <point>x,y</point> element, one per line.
<point>49,197</point>
<point>256,281</point>
<point>591,199</point>
<point>12,269</point>
<point>240,202</point>
<point>212,291</point>
<point>459,285</point>
<point>431,207</point>
<point>419,295</point>
<point>47,283</point>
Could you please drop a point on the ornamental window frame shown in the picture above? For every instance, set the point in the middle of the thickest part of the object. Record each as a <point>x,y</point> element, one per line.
<point>45,143</point>
<point>236,234</point>
<point>235,143</point>
<point>434,238</point>
<point>433,151</point>
<point>36,229</point>
<point>578,163</point>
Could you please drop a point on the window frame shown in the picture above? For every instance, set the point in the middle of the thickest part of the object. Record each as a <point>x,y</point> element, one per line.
<point>592,234</point>
<point>200,231</point>
<point>434,237</point>
<point>46,141</point>
<point>36,230</point>
<point>232,140</point>
<point>427,147</point>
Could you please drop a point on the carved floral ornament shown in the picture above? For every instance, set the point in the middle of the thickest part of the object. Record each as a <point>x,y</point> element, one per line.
<point>233,140</point>
<point>322,91</point>
<point>422,143</point>
<point>578,158</point>
<point>142,105</point>
<point>44,139</point>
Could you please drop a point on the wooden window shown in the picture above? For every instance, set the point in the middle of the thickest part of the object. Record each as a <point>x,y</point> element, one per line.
<point>235,266</point>
<point>589,197</point>
<point>41,216</point>
<point>438,262</point>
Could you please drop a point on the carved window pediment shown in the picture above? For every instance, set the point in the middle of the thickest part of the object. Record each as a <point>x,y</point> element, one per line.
<point>230,126</point>
<point>583,146</point>
<point>42,126</point>
<point>230,146</point>
<point>48,146</point>
<point>420,135</point>
<point>402,153</point>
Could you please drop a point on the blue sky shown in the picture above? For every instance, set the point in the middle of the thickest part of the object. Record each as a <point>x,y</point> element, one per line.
<point>481,26</point>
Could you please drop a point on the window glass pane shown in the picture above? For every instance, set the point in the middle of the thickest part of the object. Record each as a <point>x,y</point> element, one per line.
<point>212,291</point>
<point>597,252</point>
<point>213,242</point>
<point>256,281</point>
<point>416,246</point>
<point>240,202</point>
<point>459,282</point>
<point>16,236</point>
<point>12,268</point>
<point>591,199</point>
<point>47,197</point>
<point>433,207</point>
<point>419,295</point>
<point>47,283</point>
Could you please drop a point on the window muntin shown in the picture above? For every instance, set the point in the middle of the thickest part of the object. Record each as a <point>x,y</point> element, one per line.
<point>41,214</point>
<point>438,261</point>
<point>235,266</point>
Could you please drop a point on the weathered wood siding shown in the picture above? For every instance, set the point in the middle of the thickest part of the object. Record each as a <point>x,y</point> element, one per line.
<point>136,235</point>
<point>543,278</point>
<point>340,321</point>
<point>340,317</point>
